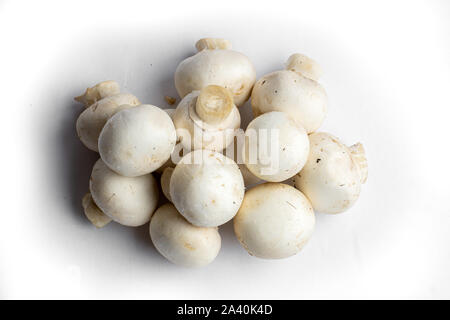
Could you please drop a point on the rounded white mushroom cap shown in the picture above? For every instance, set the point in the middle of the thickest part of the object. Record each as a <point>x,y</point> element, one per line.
<point>137,141</point>
<point>211,126</point>
<point>207,188</point>
<point>332,176</point>
<point>180,242</point>
<point>128,201</point>
<point>277,147</point>
<point>275,221</point>
<point>92,120</point>
<point>216,65</point>
<point>93,212</point>
<point>303,99</point>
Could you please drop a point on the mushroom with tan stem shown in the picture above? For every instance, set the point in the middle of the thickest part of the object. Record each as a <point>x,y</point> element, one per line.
<point>137,141</point>
<point>181,242</point>
<point>128,201</point>
<point>276,147</point>
<point>99,91</point>
<point>216,64</point>
<point>294,91</point>
<point>102,102</point>
<point>207,119</point>
<point>275,221</point>
<point>93,212</point>
<point>207,188</point>
<point>333,175</point>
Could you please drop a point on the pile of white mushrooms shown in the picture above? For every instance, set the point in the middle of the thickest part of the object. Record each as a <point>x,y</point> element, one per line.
<point>206,176</point>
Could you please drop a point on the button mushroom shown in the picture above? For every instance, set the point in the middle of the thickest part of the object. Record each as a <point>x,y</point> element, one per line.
<point>128,201</point>
<point>276,147</point>
<point>137,141</point>
<point>294,91</point>
<point>275,221</point>
<point>217,64</point>
<point>207,188</point>
<point>99,91</point>
<point>180,242</point>
<point>102,101</point>
<point>207,119</point>
<point>93,212</point>
<point>333,174</point>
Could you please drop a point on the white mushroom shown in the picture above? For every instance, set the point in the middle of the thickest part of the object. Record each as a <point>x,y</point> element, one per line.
<point>207,119</point>
<point>207,188</point>
<point>180,242</point>
<point>137,141</point>
<point>165,182</point>
<point>93,213</point>
<point>92,120</point>
<point>128,201</point>
<point>276,147</point>
<point>275,221</point>
<point>98,92</point>
<point>217,64</point>
<point>294,91</point>
<point>333,174</point>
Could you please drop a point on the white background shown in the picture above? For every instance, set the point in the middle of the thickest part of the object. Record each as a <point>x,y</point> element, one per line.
<point>387,75</point>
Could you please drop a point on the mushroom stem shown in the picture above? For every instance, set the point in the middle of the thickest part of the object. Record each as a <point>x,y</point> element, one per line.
<point>359,157</point>
<point>304,65</point>
<point>98,92</point>
<point>213,44</point>
<point>165,182</point>
<point>93,213</point>
<point>214,104</point>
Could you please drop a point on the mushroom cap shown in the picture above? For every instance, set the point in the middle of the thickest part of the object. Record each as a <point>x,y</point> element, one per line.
<point>197,134</point>
<point>275,221</point>
<point>275,159</point>
<point>207,188</point>
<point>226,68</point>
<point>92,120</point>
<point>330,178</point>
<point>180,242</point>
<point>303,99</point>
<point>137,141</point>
<point>128,201</point>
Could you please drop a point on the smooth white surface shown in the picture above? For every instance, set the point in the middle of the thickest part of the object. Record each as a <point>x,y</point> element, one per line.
<point>387,74</point>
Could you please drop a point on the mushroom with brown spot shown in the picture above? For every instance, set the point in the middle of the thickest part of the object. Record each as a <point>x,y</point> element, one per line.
<point>102,101</point>
<point>333,175</point>
<point>294,91</point>
<point>129,201</point>
<point>181,242</point>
